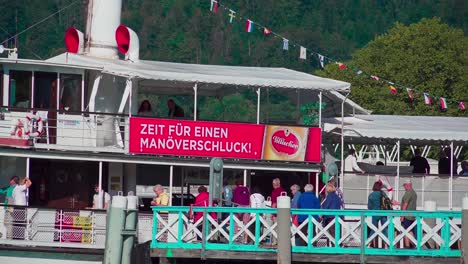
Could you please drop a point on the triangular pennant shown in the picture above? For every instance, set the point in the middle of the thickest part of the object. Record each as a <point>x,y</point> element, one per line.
<point>266,31</point>
<point>461,105</point>
<point>443,103</point>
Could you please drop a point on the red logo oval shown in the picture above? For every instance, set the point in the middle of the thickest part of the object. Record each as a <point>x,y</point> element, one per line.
<point>285,141</point>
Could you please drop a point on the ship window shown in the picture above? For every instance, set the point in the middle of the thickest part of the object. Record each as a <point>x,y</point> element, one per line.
<point>45,90</point>
<point>70,92</point>
<point>20,89</point>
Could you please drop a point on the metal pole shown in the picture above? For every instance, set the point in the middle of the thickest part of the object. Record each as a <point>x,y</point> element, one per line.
<point>100,205</point>
<point>82,92</point>
<point>195,101</point>
<point>115,225</point>
<point>284,230</point>
<point>320,110</point>
<point>397,179</point>
<point>27,176</point>
<point>451,177</point>
<point>258,106</point>
<point>57,92</point>
<point>171,179</point>
<point>32,89</point>
<point>342,142</point>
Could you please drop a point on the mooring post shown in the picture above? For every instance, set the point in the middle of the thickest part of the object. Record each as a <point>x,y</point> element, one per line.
<point>284,230</point>
<point>130,231</point>
<point>115,225</point>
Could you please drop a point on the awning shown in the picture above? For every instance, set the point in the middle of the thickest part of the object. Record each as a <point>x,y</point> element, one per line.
<point>374,129</point>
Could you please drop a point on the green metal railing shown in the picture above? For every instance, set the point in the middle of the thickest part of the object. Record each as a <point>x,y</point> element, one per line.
<point>436,233</point>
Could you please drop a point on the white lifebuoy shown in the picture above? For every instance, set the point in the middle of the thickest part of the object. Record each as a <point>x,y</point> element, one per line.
<point>30,124</point>
<point>17,128</point>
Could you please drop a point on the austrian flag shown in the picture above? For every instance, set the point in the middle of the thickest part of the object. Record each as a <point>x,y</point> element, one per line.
<point>427,99</point>
<point>249,25</point>
<point>443,103</point>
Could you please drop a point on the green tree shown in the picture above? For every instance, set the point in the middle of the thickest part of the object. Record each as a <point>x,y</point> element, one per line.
<point>428,56</point>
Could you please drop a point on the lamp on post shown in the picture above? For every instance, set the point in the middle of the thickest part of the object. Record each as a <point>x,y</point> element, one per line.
<point>12,53</point>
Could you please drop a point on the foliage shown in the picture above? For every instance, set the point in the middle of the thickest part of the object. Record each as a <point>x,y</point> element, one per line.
<point>310,113</point>
<point>428,56</point>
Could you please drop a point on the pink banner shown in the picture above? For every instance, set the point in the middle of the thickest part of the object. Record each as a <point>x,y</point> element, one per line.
<point>196,138</point>
<point>224,140</point>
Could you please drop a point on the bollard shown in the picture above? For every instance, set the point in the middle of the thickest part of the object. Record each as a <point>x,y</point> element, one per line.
<point>464,237</point>
<point>115,225</point>
<point>130,231</point>
<point>284,230</point>
<point>430,206</point>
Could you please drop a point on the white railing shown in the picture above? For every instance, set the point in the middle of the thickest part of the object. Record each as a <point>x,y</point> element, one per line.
<point>52,227</point>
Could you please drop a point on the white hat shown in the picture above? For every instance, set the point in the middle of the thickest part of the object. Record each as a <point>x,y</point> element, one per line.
<point>407,181</point>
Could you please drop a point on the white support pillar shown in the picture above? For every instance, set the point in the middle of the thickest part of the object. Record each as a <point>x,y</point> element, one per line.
<point>320,110</point>
<point>28,162</point>
<point>32,89</point>
<point>397,178</point>
<point>100,205</point>
<point>92,98</point>
<point>6,87</point>
<point>82,92</point>
<point>258,106</point>
<point>341,184</point>
<point>451,178</point>
<point>57,86</point>
<point>195,101</point>
<point>171,181</point>
<point>125,96</point>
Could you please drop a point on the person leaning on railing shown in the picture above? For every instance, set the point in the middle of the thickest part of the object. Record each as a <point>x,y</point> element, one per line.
<point>308,200</point>
<point>374,203</point>
<point>332,202</point>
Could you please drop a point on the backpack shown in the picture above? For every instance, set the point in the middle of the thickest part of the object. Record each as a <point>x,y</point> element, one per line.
<point>241,195</point>
<point>385,202</point>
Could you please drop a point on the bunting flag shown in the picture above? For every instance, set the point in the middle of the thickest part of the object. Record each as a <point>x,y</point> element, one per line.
<point>214,6</point>
<point>410,94</point>
<point>427,99</point>
<point>285,44</point>
<point>232,16</point>
<point>443,103</point>
<point>249,25</point>
<point>321,59</point>
<point>303,53</point>
<point>461,105</point>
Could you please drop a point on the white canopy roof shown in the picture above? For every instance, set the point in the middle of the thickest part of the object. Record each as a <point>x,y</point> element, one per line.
<point>408,129</point>
<point>208,74</point>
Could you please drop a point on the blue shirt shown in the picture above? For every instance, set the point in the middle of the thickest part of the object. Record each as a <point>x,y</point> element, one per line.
<point>373,202</point>
<point>308,200</point>
<point>295,199</point>
<point>332,201</point>
<point>227,192</point>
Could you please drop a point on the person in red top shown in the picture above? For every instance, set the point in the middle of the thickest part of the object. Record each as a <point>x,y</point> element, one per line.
<point>277,190</point>
<point>202,200</point>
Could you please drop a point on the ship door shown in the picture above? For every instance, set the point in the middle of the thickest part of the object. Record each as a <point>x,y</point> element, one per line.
<point>45,100</point>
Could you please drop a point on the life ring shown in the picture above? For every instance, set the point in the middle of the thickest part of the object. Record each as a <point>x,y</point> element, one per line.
<point>17,128</point>
<point>30,124</point>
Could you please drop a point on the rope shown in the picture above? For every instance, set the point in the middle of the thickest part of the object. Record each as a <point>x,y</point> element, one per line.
<point>41,21</point>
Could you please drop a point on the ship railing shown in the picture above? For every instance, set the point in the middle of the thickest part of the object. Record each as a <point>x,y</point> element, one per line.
<point>27,226</point>
<point>369,232</point>
<point>70,130</point>
<point>448,192</point>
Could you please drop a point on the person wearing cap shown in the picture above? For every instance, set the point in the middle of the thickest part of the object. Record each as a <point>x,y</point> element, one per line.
<point>408,202</point>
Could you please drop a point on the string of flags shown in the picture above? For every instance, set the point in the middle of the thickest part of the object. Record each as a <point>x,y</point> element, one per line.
<point>251,25</point>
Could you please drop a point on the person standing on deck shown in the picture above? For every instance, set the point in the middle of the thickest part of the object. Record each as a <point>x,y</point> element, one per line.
<point>419,163</point>
<point>277,190</point>
<point>408,202</point>
<point>308,200</point>
<point>296,191</point>
<point>162,198</point>
<point>351,164</point>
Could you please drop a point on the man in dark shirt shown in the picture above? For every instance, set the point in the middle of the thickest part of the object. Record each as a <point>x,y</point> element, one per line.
<point>174,109</point>
<point>420,164</point>
<point>444,162</point>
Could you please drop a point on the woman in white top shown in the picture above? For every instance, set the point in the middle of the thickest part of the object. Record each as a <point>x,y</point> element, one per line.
<point>257,200</point>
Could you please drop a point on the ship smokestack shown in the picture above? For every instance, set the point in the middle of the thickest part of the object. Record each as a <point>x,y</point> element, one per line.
<point>103,19</point>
